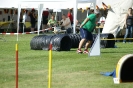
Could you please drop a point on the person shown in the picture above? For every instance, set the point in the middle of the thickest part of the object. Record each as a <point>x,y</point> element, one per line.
<point>66,23</point>
<point>52,22</point>
<point>70,16</point>
<point>20,23</point>
<point>32,20</point>
<point>45,18</point>
<point>128,25</point>
<point>101,23</point>
<point>86,29</point>
<point>102,20</point>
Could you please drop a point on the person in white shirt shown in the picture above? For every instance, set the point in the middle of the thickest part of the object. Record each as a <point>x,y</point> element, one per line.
<point>66,23</point>
<point>102,20</point>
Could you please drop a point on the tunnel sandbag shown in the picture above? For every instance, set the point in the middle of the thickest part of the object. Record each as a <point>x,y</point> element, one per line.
<point>124,69</point>
<point>36,42</point>
<point>107,43</point>
<point>61,42</point>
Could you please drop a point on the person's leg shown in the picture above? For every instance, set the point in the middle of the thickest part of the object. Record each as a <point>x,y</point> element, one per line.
<point>44,26</point>
<point>130,33</point>
<point>126,34</point>
<point>89,42</point>
<point>83,36</point>
<point>32,27</point>
<point>81,43</point>
<point>45,21</point>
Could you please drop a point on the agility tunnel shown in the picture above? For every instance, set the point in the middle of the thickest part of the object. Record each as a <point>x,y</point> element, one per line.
<point>64,42</point>
<point>105,43</point>
<point>60,42</point>
<point>75,39</point>
<point>124,69</point>
<point>36,42</point>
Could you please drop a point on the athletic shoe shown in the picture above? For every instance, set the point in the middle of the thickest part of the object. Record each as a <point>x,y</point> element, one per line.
<point>79,51</point>
<point>85,52</point>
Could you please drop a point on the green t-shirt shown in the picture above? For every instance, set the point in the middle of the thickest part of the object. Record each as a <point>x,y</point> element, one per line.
<point>91,23</point>
<point>52,22</point>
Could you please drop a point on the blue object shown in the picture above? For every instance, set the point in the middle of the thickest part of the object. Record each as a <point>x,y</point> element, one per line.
<point>113,74</point>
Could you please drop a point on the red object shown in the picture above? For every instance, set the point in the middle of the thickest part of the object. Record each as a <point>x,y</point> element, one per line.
<point>50,47</point>
<point>70,16</point>
<point>16,68</point>
<point>102,21</point>
<point>45,13</point>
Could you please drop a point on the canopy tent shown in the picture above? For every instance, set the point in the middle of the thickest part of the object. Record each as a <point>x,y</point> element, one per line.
<point>51,4</point>
<point>55,4</point>
<point>113,20</point>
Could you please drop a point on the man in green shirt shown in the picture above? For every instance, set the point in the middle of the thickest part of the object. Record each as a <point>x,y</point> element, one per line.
<point>86,30</point>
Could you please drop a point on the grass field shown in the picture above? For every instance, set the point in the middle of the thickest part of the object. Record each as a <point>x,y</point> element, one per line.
<point>70,70</point>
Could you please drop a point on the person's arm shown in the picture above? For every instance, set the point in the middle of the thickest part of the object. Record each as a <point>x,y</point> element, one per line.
<point>126,20</point>
<point>49,22</point>
<point>85,21</point>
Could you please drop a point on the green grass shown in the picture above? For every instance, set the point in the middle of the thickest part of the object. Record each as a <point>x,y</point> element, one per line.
<point>70,70</point>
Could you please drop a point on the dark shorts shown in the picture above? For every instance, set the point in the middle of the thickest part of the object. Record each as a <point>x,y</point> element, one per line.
<point>33,25</point>
<point>86,34</point>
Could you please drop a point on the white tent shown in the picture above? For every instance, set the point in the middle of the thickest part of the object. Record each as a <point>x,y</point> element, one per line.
<point>55,4</point>
<point>63,4</point>
<point>116,16</point>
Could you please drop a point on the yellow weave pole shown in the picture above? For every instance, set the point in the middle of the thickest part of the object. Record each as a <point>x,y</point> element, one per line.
<point>50,66</point>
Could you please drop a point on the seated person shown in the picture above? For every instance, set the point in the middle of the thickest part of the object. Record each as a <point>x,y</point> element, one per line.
<point>52,22</point>
<point>66,24</point>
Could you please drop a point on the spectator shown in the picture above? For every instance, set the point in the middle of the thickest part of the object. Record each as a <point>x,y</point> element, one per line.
<point>45,18</point>
<point>66,23</point>
<point>129,25</point>
<point>102,20</point>
<point>86,28</point>
<point>70,16</point>
<point>52,22</point>
<point>20,23</point>
<point>32,20</point>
